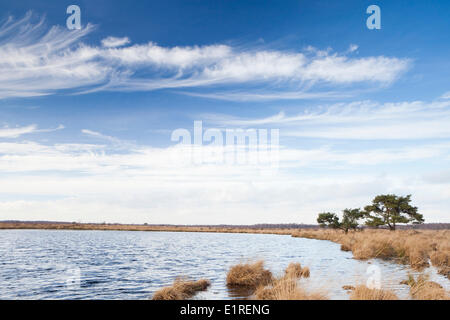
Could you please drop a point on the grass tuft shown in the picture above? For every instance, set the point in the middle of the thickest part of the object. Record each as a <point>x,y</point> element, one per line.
<point>248,275</point>
<point>286,288</point>
<point>362,292</point>
<point>423,289</point>
<point>181,289</point>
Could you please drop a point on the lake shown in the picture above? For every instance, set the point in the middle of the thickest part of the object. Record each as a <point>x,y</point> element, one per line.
<point>68,264</point>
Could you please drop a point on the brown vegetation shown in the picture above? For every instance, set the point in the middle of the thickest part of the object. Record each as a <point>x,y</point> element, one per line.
<point>412,247</point>
<point>362,292</point>
<point>423,289</point>
<point>249,275</point>
<point>181,289</point>
<point>264,286</point>
<point>295,270</point>
<point>286,288</point>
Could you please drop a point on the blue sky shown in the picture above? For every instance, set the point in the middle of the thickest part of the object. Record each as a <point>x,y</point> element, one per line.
<point>86,116</point>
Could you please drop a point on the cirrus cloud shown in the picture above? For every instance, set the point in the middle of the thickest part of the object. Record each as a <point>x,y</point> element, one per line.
<point>36,60</point>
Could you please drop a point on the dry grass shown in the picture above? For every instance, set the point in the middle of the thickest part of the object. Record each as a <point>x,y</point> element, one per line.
<point>264,286</point>
<point>249,275</point>
<point>181,289</point>
<point>286,288</point>
<point>423,289</point>
<point>295,270</point>
<point>412,247</point>
<point>440,256</point>
<point>362,292</point>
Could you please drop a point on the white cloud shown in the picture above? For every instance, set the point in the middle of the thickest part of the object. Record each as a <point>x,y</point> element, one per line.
<point>267,95</point>
<point>94,182</point>
<point>361,120</point>
<point>353,48</point>
<point>37,61</point>
<point>112,42</point>
<point>16,132</point>
<point>19,131</point>
<point>100,135</point>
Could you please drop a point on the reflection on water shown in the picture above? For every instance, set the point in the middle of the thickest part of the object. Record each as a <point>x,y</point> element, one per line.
<point>239,293</point>
<point>67,264</point>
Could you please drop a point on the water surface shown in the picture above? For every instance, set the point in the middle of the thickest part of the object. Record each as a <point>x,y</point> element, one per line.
<point>70,264</point>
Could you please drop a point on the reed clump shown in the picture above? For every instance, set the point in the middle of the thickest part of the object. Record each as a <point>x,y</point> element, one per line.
<point>424,289</point>
<point>249,275</point>
<point>181,289</point>
<point>362,292</point>
<point>264,286</point>
<point>286,288</point>
<point>295,270</point>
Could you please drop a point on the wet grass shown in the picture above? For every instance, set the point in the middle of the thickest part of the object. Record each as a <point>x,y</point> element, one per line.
<point>181,289</point>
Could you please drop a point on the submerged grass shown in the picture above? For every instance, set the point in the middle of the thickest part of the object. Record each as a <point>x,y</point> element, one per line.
<point>181,289</point>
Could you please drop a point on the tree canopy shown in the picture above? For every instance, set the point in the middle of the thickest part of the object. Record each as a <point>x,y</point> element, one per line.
<point>349,220</point>
<point>390,210</point>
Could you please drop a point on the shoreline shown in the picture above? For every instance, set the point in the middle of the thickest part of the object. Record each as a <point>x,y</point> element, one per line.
<point>280,229</point>
<point>147,228</point>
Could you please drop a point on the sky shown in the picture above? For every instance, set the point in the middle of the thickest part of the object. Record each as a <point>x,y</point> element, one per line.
<point>126,120</point>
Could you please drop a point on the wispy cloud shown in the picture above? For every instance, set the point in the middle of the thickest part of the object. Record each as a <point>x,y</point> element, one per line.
<point>19,131</point>
<point>360,120</point>
<point>268,95</point>
<point>40,61</point>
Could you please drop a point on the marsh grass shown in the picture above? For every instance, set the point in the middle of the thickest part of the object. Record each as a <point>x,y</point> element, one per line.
<point>286,288</point>
<point>412,247</point>
<point>424,289</point>
<point>295,270</point>
<point>249,275</point>
<point>262,285</point>
<point>181,289</point>
<point>362,292</point>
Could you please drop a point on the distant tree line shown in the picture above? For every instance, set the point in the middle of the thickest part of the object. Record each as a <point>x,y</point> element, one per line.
<point>387,210</point>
